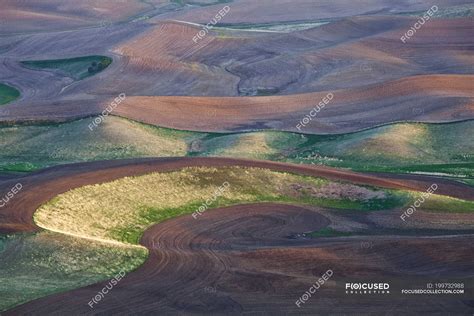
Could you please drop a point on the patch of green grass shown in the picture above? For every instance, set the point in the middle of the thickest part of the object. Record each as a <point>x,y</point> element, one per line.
<point>467,181</point>
<point>19,167</point>
<point>77,68</point>
<point>445,204</point>
<point>41,264</point>
<point>407,147</point>
<point>462,168</point>
<point>328,232</point>
<point>28,148</point>
<point>257,145</point>
<point>8,94</point>
<point>399,148</point>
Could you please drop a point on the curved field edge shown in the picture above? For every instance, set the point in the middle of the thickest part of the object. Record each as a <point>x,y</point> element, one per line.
<point>8,94</point>
<point>77,67</point>
<point>113,215</point>
<point>439,149</point>
<point>121,210</point>
<point>34,265</point>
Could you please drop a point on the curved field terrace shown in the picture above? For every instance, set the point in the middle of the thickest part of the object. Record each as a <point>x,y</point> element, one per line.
<point>236,157</point>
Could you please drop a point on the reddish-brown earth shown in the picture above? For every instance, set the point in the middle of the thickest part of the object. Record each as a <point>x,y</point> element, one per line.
<point>376,79</point>
<point>264,11</point>
<point>240,260</point>
<point>33,16</point>
<point>441,98</point>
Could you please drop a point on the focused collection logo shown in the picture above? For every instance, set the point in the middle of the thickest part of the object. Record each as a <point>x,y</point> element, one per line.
<point>367,288</point>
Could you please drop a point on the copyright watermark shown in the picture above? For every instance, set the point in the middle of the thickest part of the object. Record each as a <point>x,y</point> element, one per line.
<point>109,109</point>
<point>105,290</point>
<point>425,195</point>
<point>316,286</point>
<point>205,206</point>
<point>10,194</point>
<point>418,24</point>
<point>206,28</point>
<point>314,111</point>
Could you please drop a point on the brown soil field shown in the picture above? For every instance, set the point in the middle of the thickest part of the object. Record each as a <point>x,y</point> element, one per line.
<point>375,79</point>
<point>240,260</point>
<point>48,15</point>
<point>30,16</point>
<point>442,98</point>
<point>249,11</point>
